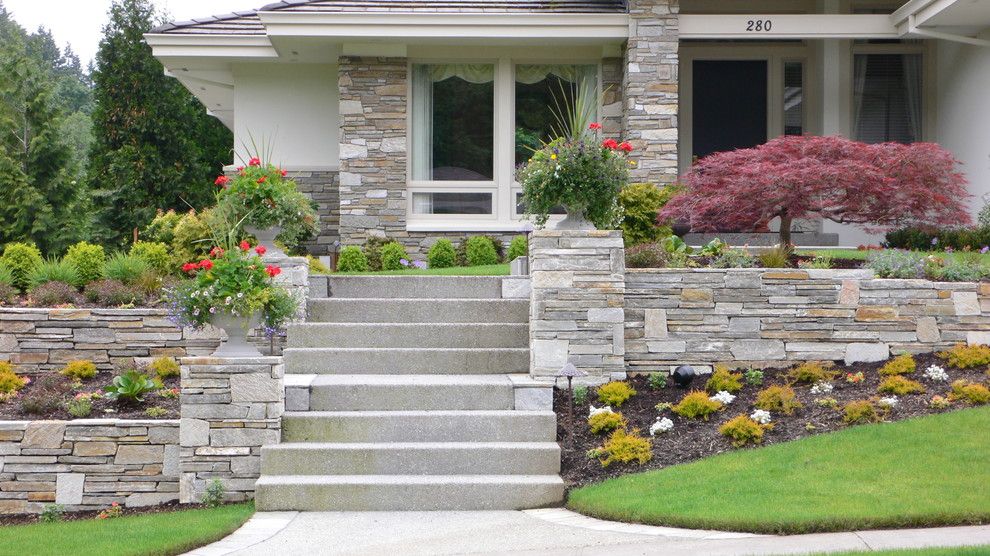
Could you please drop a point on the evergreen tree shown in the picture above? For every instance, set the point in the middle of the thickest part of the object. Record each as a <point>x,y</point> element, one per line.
<point>154,145</point>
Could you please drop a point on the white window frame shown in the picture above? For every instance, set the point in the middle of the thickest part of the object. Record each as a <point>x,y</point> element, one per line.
<point>504,216</point>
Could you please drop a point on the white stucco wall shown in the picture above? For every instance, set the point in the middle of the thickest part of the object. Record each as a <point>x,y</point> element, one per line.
<point>964,111</point>
<point>291,107</point>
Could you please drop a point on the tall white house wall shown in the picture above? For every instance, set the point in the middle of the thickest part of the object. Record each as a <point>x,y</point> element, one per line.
<point>292,108</point>
<point>964,111</point>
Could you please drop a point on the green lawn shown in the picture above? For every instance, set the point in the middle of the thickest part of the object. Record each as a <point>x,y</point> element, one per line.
<point>861,255</point>
<point>485,270</point>
<point>145,535</point>
<point>956,551</point>
<point>921,472</point>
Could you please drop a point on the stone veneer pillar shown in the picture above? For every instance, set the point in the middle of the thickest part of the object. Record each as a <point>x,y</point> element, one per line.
<point>230,408</point>
<point>650,89</point>
<point>576,304</point>
<point>372,148</point>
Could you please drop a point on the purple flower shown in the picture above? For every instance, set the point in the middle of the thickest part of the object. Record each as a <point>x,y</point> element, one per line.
<point>934,241</point>
<point>986,248</point>
<point>420,265</point>
<point>403,262</point>
<point>949,249</point>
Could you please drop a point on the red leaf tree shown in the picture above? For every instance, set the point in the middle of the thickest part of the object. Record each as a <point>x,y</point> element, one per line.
<point>874,186</point>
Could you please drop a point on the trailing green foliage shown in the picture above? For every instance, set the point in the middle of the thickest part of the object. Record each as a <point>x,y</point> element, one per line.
<point>352,259</point>
<point>442,254</point>
<point>88,261</point>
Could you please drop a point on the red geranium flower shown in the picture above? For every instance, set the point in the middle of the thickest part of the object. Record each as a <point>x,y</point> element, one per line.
<point>245,245</point>
<point>240,168</point>
<point>273,271</point>
<point>284,173</point>
<point>626,146</point>
<point>262,179</point>
<point>206,264</point>
<point>189,267</point>
<point>216,252</point>
<point>595,126</point>
<point>254,162</point>
<point>610,144</point>
<point>222,181</point>
<point>260,249</point>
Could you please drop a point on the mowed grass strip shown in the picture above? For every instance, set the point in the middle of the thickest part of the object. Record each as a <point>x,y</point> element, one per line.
<point>927,471</point>
<point>160,534</point>
<point>483,270</point>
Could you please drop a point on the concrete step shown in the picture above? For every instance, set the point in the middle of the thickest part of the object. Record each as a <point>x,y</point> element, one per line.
<point>406,360</point>
<point>410,392</point>
<point>419,426</point>
<point>412,458</point>
<point>407,492</point>
<point>417,310</point>
<point>405,287</point>
<point>407,335</point>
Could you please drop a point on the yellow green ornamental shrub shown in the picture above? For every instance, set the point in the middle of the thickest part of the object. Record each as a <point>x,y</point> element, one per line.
<point>164,367</point>
<point>626,447</point>
<point>962,356</point>
<point>696,405</point>
<point>87,259</point>
<point>519,247</point>
<point>861,412</point>
<point>811,372</point>
<point>155,255</point>
<point>316,266</point>
<point>778,398</point>
<point>900,365</point>
<point>21,259</point>
<point>743,430</point>
<point>900,386</point>
<point>606,422</point>
<point>9,380</point>
<point>615,393</point>
<point>971,393</point>
<point>80,369</point>
<point>724,380</point>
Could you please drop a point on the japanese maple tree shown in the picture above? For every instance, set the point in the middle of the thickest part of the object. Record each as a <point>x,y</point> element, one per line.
<point>874,186</point>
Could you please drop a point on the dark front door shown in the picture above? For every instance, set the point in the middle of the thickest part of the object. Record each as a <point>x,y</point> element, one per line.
<point>729,105</point>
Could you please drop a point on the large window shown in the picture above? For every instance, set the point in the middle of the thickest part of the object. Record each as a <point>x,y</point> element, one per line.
<point>471,125</point>
<point>887,97</point>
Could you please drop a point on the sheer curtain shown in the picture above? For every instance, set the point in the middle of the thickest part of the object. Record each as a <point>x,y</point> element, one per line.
<point>913,91</point>
<point>860,62</point>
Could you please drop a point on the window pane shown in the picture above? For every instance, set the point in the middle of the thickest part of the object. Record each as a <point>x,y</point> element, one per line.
<point>793,98</point>
<point>539,88</point>
<point>887,98</point>
<point>453,122</point>
<point>521,206</point>
<point>452,203</point>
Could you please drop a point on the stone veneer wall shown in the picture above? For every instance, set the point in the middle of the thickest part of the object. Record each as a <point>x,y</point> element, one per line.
<point>650,89</point>
<point>230,408</point>
<point>576,302</point>
<point>323,186</point>
<point>773,317</point>
<point>87,464</point>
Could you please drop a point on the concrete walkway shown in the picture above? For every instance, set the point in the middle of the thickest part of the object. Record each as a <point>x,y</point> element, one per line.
<point>537,532</point>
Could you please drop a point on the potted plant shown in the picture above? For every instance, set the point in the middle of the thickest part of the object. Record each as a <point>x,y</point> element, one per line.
<point>232,289</point>
<point>577,169</point>
<point>269,205</point>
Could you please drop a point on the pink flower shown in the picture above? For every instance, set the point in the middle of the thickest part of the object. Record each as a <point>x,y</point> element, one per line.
<point>595,126</point>
<point>610,144</point>
<point>260,250</point>
<point>626,146</point>
<point>273,271</point>
<point>254,162</point>
<point>222,181</point>
<point>245,245</point>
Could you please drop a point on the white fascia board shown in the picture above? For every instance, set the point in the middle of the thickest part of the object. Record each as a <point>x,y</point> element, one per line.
<point>210,46</point>
<point>410,25</point>
<point>921,10</point>
<point>787,26</point>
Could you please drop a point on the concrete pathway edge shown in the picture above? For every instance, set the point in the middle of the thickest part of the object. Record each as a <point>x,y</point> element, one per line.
<point>261,527</point>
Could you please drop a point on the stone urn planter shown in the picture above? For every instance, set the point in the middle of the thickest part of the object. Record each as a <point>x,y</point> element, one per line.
<point>266,237</point>
<point>575,220</point>
<point>237,328</point>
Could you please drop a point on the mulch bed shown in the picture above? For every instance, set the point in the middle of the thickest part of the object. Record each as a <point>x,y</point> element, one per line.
<point>102,408</point>
<point>24,519</point>
<point>691,439</point>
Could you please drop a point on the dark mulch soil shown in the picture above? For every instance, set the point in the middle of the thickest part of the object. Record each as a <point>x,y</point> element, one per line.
<point>695,439</point>
<point>102,408</point>
<point>24,519</point>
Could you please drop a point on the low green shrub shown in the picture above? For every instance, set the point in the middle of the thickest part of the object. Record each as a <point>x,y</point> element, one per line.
<point>52,513</point>
<point>811,372</point>
<point>863,412</point>
<point>162,228</point>
<point>214,495</point>
<point>79,408</point>
<point>21,259</point>
<point>640,204</point>
<point>615,393</point>
<point>733,258</point>
<point>696,405</point>
<point>743,430</point>
<point>647,255</point>
<point>606,422</point>
<point>155,255</point>
<point>192,239</point>
<point>781,399</point>
<point>962,356</point>
<point>10,381</point>
<point>900,386</point>
<point>87,259</point>
<point>480,251</point>
<point>823,262</point>
<point>900,365</point>
<point>442,254</point>
<point>352,259</point>
<point>722,379</point>
<point>894,263</point>
<point>80,369</point>
<point>373,251</point>
<point>392,256</point>
<point>754,377</point>
<point>519,247</point>
<point>970,393</point>
<point>156,412</point>
<point>54,270</point>
<point>657,381</point>
<point>164,367</point>
<point>52,294</point>
<point>126,268</point>
<point>581,396</point>
<point>626,447</point>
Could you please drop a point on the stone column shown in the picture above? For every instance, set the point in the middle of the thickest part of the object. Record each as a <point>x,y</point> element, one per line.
<point>230,408</point>
<point>576,304</point>
<point>650,89</point>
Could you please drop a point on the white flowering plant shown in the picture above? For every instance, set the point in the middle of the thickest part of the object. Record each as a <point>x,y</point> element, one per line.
<point>822,387</point>
<point>761,416</point>
<point>723,397</point>
<point>936,373</point>
<point>889,401</point>
<point>662,425</point>
<point>596,410</point>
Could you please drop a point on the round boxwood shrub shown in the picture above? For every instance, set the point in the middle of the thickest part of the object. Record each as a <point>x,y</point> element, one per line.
<point>442,254</point>
<point>392,256</point>
<point>88,260</point>
<point>480,251</point>
<point>352,259</point>
<point>155,254</point>
<point>21,259</point>
<point>518,248</point>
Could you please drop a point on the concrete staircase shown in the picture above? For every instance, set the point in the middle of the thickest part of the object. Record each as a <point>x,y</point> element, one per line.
<point>401,394</point>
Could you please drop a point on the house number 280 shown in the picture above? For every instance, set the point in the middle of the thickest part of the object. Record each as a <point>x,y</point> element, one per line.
<point>759,25</point>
